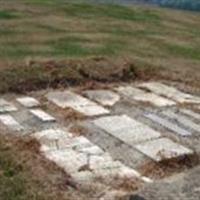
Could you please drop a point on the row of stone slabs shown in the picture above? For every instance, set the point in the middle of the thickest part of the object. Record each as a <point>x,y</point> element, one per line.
<point>160,95</point>
<point>130,131</point>
<point>82,159</point>
<point>28,102</point>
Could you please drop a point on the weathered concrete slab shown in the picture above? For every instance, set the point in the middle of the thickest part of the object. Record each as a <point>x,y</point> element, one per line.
<point>186,122</point>
<point>70,160</point>
<point>191,113</point>
<point>28,102</point>
<point>126,129</point>
<point>91,110</point>
<point>6,106</point>
<point>52,134</point>
<point>168,124</point>
<point>81,158</point>
<point>170,92</point>
<point>43,116</point>
<point>10,122</point>
<point>57,139</point>
<point>66,99</point>
<point>140,95</point>
<point>104,97</point>
<point>162,149</point>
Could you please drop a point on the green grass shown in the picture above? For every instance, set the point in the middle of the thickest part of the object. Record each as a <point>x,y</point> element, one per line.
<point>124,26</point>
<point>110,11</point>
<point>65,29</point>
<point>7,15</point>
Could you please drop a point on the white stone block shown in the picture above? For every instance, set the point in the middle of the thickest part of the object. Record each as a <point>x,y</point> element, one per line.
<point>191,113</point>
<point>170,92</point>
<point>162,149</point>
<point>28,102</point>
<point>140,95</point>
<point>186,122</point>
<point>6,106</point>
<point>69,99</point>
<point>172,126</point>
<point>126,129</point>
<point>10,122</point>
<point>104,97</point>
<point>43,116</point>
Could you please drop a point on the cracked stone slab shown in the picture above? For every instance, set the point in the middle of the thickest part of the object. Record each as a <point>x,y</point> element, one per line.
<point>170,92</point>
<point>6,106</point>
<point>43,116</point>
<point>162,149</point>
<point>186,122</point>
<point>10,122</point>
<point>104,97</point>
<point>28,102</point>
<point>168,124</point>
<point>52,134</point>
<point>140,95</point>
<point>57,139</point>
<point>126,129</point>
<point>69,99</point>
<point>81,158</point>
<point>191,113</point>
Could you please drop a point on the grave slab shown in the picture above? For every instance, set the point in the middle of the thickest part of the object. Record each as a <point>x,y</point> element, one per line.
<point>69,99</point>
<point>191,113</point>
<point>28,102</point>
<point>168,124</point>
<point>70,160</point>
<point>6,106</point>
<point>43,116</point>
<point>104,97</point>
<point>170,92</point>
<point>126,129</point>
<point>82,159</point>
<point>162,149</point>
<point>140,95</point>
<point>52,134</point>
<point>186,122</point>
<point>10,122</point>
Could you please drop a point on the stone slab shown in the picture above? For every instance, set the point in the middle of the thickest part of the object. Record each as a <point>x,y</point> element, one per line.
<point>140,95</point>
<point>10,122</point>
<point>6,106</point>
<point>69,99</point>
<point>104,97</point>
<point>82,159</point>
<point>186,122</point>
<point>162,149</point>
<point>28,102</point>
<point>43,116</point>
<point>191,113</point>
<point>52,134</point>
<point>70,160</point>
<point>170,92</point>
<point>126,129</point>
<point>91,110</point>
<point>168,124</point>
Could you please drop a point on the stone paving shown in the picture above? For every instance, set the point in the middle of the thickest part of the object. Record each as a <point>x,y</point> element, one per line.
<point>124,128</point>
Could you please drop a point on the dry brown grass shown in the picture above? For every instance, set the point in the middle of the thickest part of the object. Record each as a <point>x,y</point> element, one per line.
<point>26,174</point>
<point>169,167</point>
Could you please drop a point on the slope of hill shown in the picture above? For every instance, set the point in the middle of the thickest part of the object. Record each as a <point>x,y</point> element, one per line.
<point>160,43</point>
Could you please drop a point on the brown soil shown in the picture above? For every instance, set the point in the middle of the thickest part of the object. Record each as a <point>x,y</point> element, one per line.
<point>169,167</point>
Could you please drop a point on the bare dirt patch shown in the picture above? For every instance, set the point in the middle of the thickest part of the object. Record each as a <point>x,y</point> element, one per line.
<point>169,167</point>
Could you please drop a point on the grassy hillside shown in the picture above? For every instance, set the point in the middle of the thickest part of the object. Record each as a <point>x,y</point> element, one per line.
<point>152,38</point>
